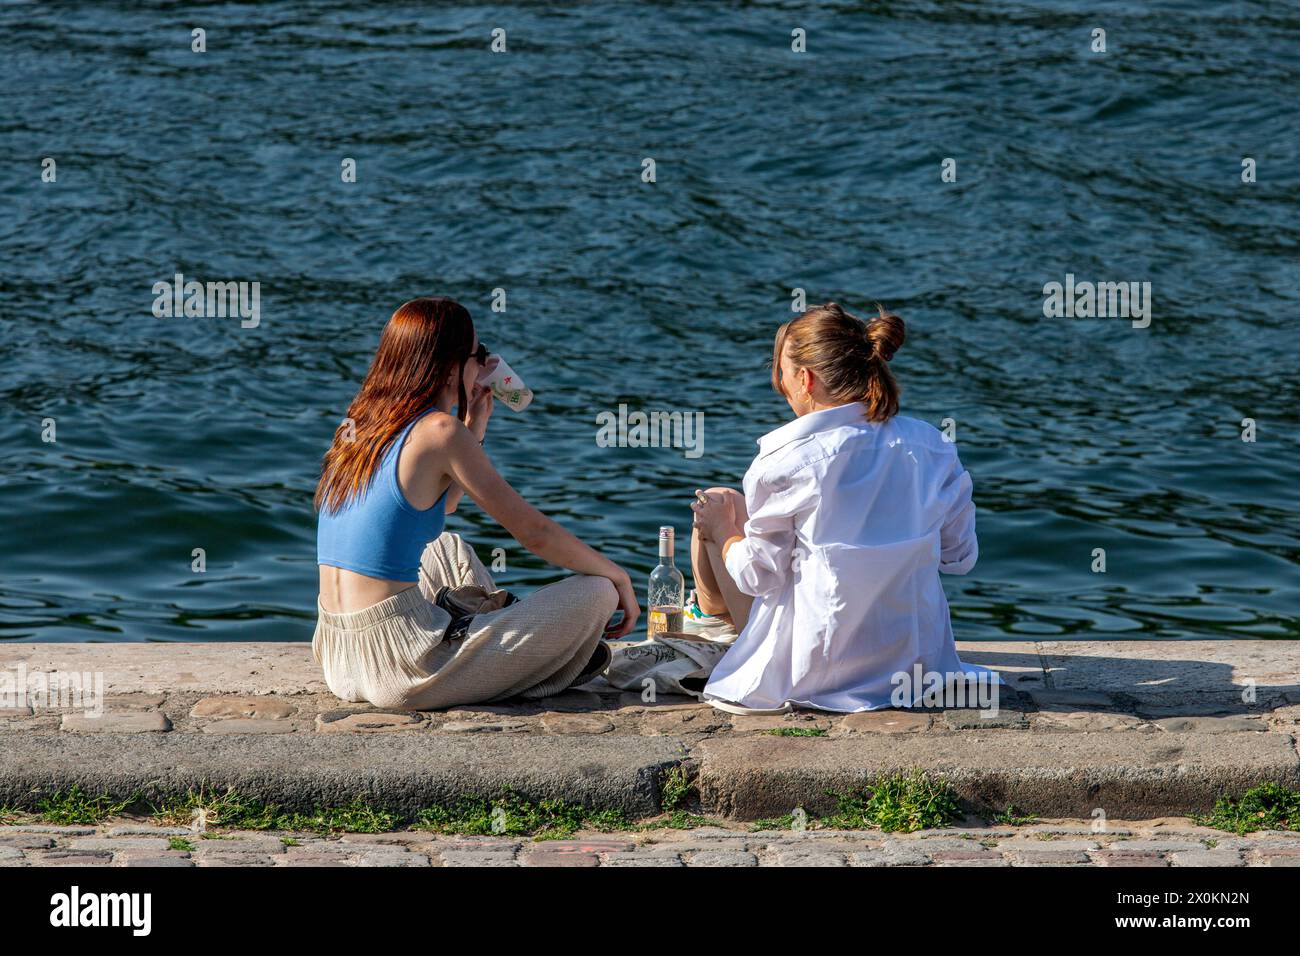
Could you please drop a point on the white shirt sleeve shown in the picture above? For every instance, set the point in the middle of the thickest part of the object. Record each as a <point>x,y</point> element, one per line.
<point>958,549</point>
<point>760,563</point>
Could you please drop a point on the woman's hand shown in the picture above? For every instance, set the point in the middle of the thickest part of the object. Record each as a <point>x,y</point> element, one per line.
<point>714,518</point>
<point>473,471</point>
<point>627,604</point>
<point>480,410</point>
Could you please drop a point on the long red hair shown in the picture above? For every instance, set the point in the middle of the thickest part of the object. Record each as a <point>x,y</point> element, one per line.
<point>424,341</point>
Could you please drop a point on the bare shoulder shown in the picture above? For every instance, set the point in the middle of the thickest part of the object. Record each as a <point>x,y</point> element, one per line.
<point>437,430</point>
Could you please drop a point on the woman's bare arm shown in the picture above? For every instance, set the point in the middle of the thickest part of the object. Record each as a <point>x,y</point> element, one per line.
<point>472,470</point>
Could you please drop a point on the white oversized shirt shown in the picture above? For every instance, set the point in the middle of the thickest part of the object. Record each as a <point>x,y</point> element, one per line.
<point>850,523</point>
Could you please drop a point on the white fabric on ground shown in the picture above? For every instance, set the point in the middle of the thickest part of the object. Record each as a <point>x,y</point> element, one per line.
<point>675,665</point>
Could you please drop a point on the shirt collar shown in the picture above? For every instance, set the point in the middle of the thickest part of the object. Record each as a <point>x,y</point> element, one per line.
<point>813,422</point>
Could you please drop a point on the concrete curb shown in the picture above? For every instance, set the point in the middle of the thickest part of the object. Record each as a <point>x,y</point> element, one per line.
<point>1139,729</point>
<point>1132,776</point>
<point>299,772</point>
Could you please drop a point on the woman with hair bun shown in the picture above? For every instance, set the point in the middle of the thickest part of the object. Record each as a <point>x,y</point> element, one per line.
<point>828,565</point>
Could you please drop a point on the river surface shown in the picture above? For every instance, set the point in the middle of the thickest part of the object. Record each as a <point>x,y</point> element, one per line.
<point>774,170</point>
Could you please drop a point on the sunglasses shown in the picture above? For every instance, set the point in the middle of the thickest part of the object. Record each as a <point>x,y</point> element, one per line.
<point>481,353</point>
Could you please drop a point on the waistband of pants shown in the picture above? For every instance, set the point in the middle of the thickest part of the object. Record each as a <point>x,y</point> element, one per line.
<point>401,604</point>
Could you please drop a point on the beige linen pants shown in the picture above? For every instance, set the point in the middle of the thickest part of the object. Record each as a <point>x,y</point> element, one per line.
<point>393,655</point>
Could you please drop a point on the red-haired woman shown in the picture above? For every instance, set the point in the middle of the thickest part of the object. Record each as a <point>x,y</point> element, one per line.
<point>829,564</point>
<point>395,625</point>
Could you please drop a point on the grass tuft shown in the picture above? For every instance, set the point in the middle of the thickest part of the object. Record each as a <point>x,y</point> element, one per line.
<point>511,815</point>
<point>74,806</point>
<point>1013,817</point>
<point>797,732</point>
<point>785,822</point>
<point>356,817</point>
<point>674,787</point>
<point>234,811</point>
<point>681,820</point>
<point>895,804</point>
<point>1269,806</point>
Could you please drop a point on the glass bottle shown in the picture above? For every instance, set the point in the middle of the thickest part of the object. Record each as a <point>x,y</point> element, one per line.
<point>667,593</point>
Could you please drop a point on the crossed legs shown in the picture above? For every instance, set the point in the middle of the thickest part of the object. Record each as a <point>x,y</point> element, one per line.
<point>714,589</point>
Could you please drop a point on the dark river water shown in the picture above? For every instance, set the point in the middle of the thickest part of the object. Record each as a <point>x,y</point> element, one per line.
<point>774,170</point>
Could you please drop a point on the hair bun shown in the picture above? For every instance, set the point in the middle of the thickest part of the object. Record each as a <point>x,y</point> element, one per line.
<point>885,333</point>
<point>841,350</point>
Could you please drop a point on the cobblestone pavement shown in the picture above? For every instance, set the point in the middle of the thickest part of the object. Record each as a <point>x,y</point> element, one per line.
<point>1165,843</point>
<point>1153,689</point>
<point>598,709</point>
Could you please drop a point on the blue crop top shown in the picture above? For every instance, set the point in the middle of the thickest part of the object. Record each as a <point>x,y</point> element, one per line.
<point>378,533</point>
